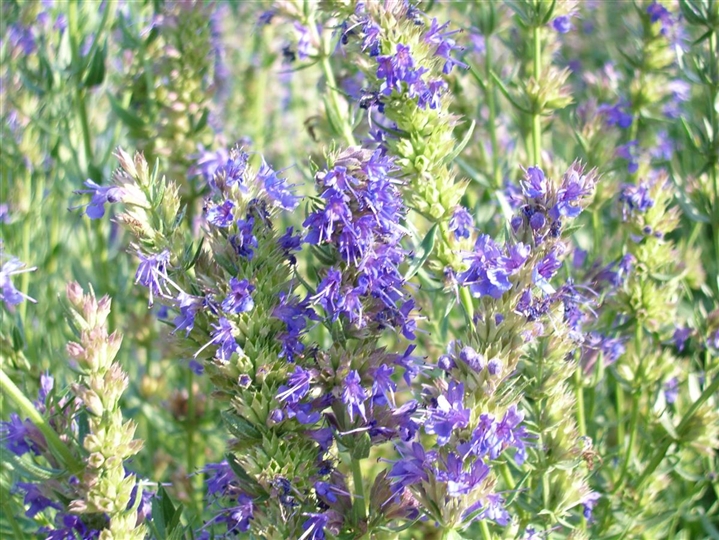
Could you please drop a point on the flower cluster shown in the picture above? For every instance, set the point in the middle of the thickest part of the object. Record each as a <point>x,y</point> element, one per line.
<point>407,60</point>
<point>9,294</point>
<point>360,220</point>
<point>455,479</point>
<point>93,495</point>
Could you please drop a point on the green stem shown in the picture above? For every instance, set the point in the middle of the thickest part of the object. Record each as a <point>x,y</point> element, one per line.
<point>636,393</point>
<point>486,535</point>
<point>536,120</point>
<point>25,276</point>
<point>79,93</point>
<point>331,83</point>
<point>360,503</point>
<point>491,104</point>
<point>620,411</point>
<point>507,477</point>
<point>190,423</point>
<point>709,391</point>
<point>545,489</point>
<point>579,393</point>
<point>714,159</point>
<point>596,230</point>
<point>59,448</point>
<point>466,299</point>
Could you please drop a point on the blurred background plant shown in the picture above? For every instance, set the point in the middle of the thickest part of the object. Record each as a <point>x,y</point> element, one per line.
<point>598,329</point>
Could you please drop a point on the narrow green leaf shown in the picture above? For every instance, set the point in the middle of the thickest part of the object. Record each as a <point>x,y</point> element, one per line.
<point>462,144</point>
<point>423,253</point>
<point>128,118</point>
<point>505,92</point>
<point>96,70</point>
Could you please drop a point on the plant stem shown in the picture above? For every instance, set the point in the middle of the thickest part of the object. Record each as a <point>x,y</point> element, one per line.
<point>714,159</point>
<point>536,123</point>
<point>620,410</point>
<point>28,409</point>
<point>466,299</point>
<point>360,504</point>
<point>79,92</point>
<point>486,535</point>
<point>507,477</point>
<point>545,489</point>
<point>636,393</point>
<point>331,83</point>
<point>491,104</point>
<point>579,393</point>
<point>190,424</point>
<point>25,276</point>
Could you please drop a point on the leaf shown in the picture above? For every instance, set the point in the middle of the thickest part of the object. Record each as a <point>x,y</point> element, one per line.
<point>94,173</point>
<point>202,122</point>
<point>478,79</point>
<point>196,256</point>
<point>240,427</point>
<point>505,92</point>
<point>425,249</point>
<point>709,528</point>
<point>473,174</point>
<point>549,13</point>
<point>163,512</point>
<point>96,70</point>
<point>29,467</point>
<point>452,535</point>
<point>462,144</point>
<point>83,426</point>
<point>516,489</point>
<point>247,483</point>
<point>323,255</point>
<point>18,337</point>
<point>128,118</point>
<point>362,446</point>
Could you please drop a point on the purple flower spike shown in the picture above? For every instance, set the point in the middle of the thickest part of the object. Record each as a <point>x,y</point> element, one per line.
<point>671,390</point>
<point>17,436</point>
<point>277,188</point>
<point>9,294</point>
<point>617,115</point>
<point>461,223</point>
<point>636,198</point>
<point>411,469</point>
<point>495,510</point>
<point>244,241</point>
<point>445,45</point>
<point>383,387</point>
<point>534,185</point>
<point>224,339</point>
<point>314,527</point>
<point>152,273</point>
<point>189,306</point>
<point>562,24</point>
<point>220,215</point>
<point>354,396</point>
<point>448,415</point>
<point>681,335</point>
<point>472,358</point>
<point>298,385</point>
<point>36,499</point>
<point>239,299</point>
<point>589,502</point>
<point>100,196</point>
<point>460,482</point>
